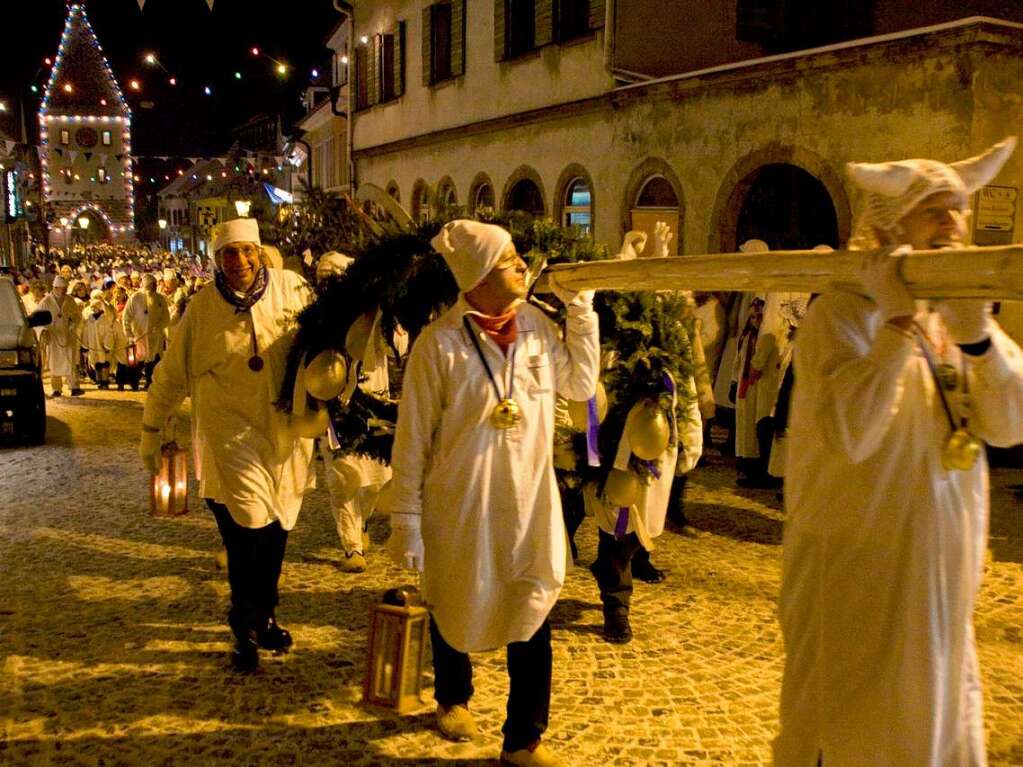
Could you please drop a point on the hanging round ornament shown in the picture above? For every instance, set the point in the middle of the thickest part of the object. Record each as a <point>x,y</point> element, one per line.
<point>357,337</point>
<point>648,430</point>
<point>578,409</point>
<point>506,414</point>
<point>622,488</point>
<point>325,375</point>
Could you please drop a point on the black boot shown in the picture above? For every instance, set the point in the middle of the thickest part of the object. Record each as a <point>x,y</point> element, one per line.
<point>273,637</point>
<point>644,569</point>
<point>617,629</point>
<point>614,578</point>
<point>676,501</point>
<point>245,655</point>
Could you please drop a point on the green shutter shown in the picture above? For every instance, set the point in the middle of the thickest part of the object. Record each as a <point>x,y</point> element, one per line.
<point>500,49</point>
<point>427,48</point>
<point>458,37</point>
<point>597,12</point>
<point>399,59</point>
<point>373,67</point>
<point>543,22</point>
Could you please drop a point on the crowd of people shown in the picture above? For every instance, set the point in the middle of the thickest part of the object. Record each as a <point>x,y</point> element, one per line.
<point>113,311</point>
<point>888,399</point>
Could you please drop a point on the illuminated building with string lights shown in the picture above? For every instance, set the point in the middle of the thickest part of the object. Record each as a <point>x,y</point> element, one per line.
<point>85,138</point>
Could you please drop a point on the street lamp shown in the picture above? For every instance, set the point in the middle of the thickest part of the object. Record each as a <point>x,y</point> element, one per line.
<point>65,223</point>
<point>242,206</point>
<point>162,223</point>
<point>83,221</point>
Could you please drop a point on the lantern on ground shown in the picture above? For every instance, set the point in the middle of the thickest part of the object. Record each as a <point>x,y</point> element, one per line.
<point>397,649</point>
<point>168,494</point>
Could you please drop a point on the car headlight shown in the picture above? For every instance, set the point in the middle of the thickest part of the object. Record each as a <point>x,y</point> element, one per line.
<point>9,359</point>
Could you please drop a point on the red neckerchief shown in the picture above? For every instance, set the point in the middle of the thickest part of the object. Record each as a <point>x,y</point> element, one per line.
<point>502,328</point>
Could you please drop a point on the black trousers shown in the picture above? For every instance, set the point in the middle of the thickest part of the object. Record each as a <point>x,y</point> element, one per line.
<point>530,667</point>
<point>147,370</point>
<point>254,559</point>
<point>613,570</point>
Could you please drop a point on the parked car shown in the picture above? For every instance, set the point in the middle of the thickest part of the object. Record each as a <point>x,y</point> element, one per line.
<point>22,402</point>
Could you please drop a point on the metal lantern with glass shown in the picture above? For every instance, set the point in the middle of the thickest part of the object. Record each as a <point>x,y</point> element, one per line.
<point>397,648</point>
<point>168,491</point>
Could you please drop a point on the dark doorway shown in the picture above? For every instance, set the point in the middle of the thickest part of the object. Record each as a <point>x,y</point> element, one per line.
<point>787,208</point>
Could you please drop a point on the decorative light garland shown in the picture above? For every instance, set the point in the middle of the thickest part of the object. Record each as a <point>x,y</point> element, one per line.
<point>76,13</point>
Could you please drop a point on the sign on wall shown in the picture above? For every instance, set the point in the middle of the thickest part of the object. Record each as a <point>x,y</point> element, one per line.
<point>994,218</point>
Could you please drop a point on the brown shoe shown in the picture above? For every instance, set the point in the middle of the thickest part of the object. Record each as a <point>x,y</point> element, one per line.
<point>537,756</point>
<point>456,723</point>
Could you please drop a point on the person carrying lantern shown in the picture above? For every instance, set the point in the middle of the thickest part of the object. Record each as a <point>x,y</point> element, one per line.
<point>229,354</point>
<point>886,491</point>
<point>474,501</point>
<point>61,337</point>
<point>145,318</point>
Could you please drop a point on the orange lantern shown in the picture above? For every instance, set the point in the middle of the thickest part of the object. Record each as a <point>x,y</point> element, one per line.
<point>397,649</point>
<point>130,353</point>
<point>168,492</point>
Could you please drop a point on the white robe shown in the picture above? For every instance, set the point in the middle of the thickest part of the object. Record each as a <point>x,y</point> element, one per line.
<point>883,548</point>
<point>246,456</point>
<point>146,318</point>
<point>62,342</point>
<point>98,334</point>
<point>494,538</point>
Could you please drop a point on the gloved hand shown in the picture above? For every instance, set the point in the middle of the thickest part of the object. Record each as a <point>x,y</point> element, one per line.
<point>965,318</point>
<point>569,297</point>
<point>149,450</point>
<point>880,274</point>
<point>662,236</point>
<point>406,541</point>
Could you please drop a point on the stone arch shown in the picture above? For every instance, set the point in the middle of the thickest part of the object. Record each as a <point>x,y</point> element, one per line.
<point>641,174</point>
<point>97,215</point>
<point>419,202</point>
<point>572,172</point>
<point>736,183</point>
<point>479,181</point>
<point>523,173</point>
<point>446,196</point>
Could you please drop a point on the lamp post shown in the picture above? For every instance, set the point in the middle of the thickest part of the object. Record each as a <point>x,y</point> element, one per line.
<point>83,222</point>
<point>162,223</point>
<point>242,207</point>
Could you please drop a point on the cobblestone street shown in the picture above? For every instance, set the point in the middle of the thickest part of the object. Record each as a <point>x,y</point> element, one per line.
<point>114,642</point>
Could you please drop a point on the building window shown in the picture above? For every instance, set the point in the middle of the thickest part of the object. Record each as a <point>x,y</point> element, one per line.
<point>106,138</point>
<point>65,136</point>
<point>101,175</point>
<point>440,42</point>
<point>483,198</point>
<point>446,198</point>
<point>362,90</point>
<point>578,206</point>
<point>385,79</point>
<point>572,19</point>
<point>420,202</point>
<point>519,27</point>
<point>393,191</point>
<point>525,197</point>
<point>341,67</point>
<point>657,201</point>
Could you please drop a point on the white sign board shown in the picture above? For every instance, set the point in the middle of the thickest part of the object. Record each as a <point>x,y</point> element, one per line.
<point>996,209</point>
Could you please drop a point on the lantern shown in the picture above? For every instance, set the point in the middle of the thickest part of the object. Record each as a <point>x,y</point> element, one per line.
<point>130,353</point>
<point>168,493</point>
<point>397,649</point>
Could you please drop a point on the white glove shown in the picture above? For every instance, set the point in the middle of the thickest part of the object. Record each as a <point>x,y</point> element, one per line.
<point>149,450</point>
<point>965,318</point>
<point>405,546</point>
<point>662,236</point>
<point>569,297</point>
<point>880,274</point>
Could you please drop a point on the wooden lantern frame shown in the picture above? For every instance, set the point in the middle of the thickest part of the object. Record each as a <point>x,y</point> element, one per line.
<point>168,488</point>
<point>397,651</point>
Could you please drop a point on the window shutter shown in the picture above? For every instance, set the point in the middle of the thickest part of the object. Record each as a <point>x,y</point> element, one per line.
<point>373,67</point>
<point>458,37</point>
<point>500,49</point>
<point>597,11</point>
<point>399,59</point>
<point>427,48</point>
<point>543,22</point>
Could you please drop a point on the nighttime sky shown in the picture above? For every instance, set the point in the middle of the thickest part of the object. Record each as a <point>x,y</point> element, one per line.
<point>197,46</point>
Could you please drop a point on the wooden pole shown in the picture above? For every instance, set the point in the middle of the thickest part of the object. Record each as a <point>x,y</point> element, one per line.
<point>974,272</point>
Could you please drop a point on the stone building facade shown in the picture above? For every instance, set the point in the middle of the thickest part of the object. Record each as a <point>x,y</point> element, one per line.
<point>513,107</point>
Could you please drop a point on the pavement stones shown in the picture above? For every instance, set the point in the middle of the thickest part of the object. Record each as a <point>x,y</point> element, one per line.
<point>114,649</point>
